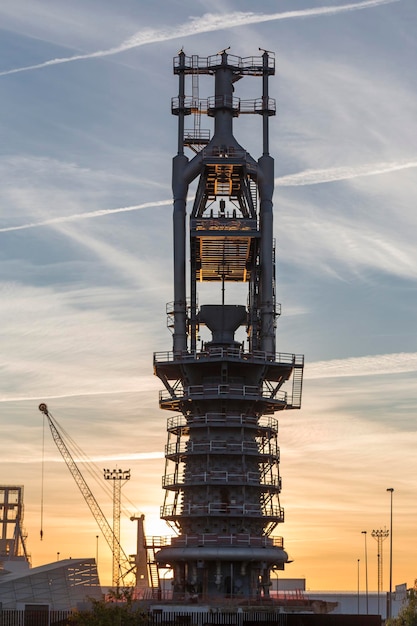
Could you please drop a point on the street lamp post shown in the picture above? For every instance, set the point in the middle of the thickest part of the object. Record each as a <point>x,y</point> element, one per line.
<point>364,532</point>
<point>359,561</point>
<point>391,490</point>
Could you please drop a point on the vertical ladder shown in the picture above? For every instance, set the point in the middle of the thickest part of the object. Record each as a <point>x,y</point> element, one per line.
<point>196,97</point>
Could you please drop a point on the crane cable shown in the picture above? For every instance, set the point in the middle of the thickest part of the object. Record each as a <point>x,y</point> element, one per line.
<point>90,466</point>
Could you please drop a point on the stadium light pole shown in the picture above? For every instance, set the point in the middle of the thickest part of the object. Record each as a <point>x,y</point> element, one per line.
<point>391,490</point>
<point>380,535</point>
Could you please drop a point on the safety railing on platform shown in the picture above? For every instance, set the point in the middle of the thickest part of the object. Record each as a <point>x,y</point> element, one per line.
<point>251,510</point>
<point>281,358</point>
<point>263,422</point>
<point>200,447</point>
<point>222,477</point>
<point>248,391</point>
<point>248,65</point>
<point>210,539</point>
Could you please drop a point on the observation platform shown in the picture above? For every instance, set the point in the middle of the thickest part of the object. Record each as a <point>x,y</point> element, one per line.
<point>246,66</point>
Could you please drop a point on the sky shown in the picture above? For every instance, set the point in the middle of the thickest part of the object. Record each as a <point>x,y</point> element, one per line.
<point>87,139</point>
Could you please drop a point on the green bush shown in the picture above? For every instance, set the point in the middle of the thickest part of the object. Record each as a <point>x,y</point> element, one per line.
<point>119,610</point>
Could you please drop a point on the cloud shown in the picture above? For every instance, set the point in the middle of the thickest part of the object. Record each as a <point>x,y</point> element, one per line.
<point>134,456</point>
<point>330,175</point>
<point>206,23</point>
<point>81,393</point>
<point>71,345</point>
<point>90,214</point>
<point>304,178</point>
<point>374,365</point>
<point>338,245</point>
<point>56,458</point>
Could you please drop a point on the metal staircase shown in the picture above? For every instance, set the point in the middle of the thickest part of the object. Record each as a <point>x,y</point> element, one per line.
<point>297,386</point>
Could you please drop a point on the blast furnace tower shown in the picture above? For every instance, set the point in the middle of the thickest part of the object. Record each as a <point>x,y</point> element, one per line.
<point>222,480</point>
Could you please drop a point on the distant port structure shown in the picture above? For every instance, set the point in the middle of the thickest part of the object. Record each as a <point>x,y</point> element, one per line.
<point>223,379</point>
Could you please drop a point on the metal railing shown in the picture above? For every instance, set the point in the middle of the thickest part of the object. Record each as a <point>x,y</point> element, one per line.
<point>281,358</point>
<point>248,65</point>
<point>264,451</point>
<point>244,391</point>
<point>27,617</point>
<point>222,477</point>
<point>239,539</point>
<point>231,614</point>
<point>202,447</point>
<point>213,419</point>
<point>197,510</point>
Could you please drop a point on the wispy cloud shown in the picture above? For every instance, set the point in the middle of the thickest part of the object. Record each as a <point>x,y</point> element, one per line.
<point>72,343</point>
<point>330,175</point>
<point>364,366</point>
<point>133,456</point>
<point>206,23</point>
<point>304,178</point>
<point>55,458</point>
<point>82,216</point>
<point>76,394</point>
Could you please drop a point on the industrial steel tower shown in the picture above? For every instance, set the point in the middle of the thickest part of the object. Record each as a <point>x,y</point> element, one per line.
<point>222,480</point>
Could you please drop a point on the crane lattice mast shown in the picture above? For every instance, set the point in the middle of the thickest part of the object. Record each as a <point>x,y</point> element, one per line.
<point>123,566</point>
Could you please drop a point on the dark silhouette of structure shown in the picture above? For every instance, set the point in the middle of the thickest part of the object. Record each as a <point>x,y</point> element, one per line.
<point>222,480</point>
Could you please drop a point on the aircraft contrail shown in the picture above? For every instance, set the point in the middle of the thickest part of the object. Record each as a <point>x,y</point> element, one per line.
<point>307,177</point>
<point>73,394</point>
<point>203,24</point>
<point>83,216</point>
<point>315,177</point>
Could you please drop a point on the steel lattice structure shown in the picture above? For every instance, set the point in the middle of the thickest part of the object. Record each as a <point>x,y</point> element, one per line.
<point>222,480</point>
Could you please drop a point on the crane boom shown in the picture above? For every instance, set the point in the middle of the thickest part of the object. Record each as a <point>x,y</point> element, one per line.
<point>124,563</point>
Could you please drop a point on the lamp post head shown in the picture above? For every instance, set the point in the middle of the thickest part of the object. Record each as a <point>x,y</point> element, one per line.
<point>391,489</point>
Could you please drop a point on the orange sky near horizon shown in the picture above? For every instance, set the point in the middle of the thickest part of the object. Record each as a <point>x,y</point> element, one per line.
<point>334,487</point>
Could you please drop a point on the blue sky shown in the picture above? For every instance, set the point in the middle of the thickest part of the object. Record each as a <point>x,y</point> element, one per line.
<point>86,269</point>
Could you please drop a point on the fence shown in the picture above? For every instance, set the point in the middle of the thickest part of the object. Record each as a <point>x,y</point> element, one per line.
<point>214,617</point>
<point>40,616</point>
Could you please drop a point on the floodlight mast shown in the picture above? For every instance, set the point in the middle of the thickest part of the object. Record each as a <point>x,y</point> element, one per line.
<point>222,479</point>
<point>119,477</point>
